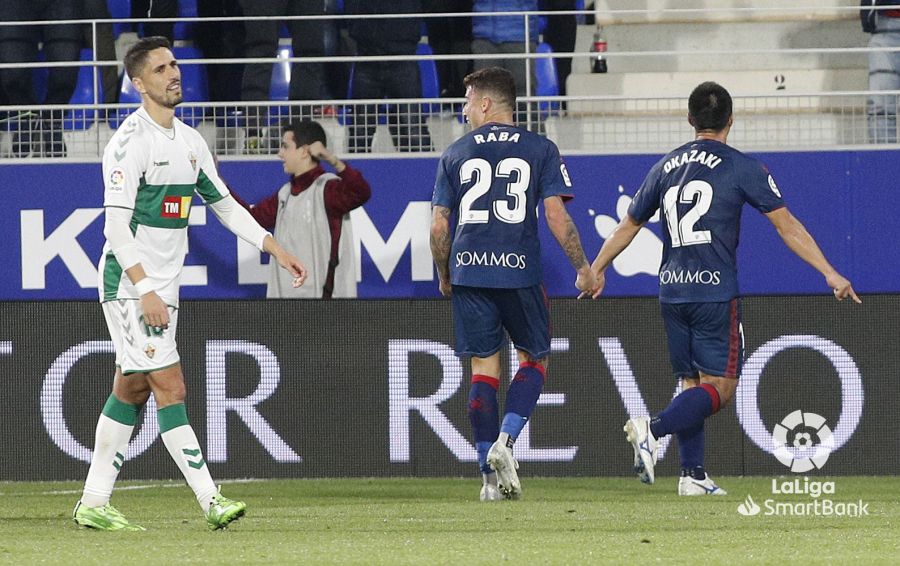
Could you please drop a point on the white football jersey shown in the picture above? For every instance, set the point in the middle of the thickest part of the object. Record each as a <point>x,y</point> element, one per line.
<point>155,172</point>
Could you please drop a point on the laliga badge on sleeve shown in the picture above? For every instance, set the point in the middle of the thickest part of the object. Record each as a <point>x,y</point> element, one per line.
<point>116,180</point>
<point>565,175</point>
<point>774,187</point>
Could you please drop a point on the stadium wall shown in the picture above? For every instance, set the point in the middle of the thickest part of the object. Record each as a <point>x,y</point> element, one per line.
<point>51,226</point>
<point>372,388</point>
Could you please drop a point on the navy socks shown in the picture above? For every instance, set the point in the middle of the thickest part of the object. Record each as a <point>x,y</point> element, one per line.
<point>483,408</point>
<point>484,416</point>
<point>687,411</point>
<point>522,396</point>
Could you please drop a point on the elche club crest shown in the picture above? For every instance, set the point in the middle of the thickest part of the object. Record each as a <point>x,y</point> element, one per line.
<point>192,157</point>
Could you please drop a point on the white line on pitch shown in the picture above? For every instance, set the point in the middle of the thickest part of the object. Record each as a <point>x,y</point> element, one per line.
<point>133,487</point>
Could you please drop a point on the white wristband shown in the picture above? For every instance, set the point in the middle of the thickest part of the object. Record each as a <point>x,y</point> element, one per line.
<point>144,286</point>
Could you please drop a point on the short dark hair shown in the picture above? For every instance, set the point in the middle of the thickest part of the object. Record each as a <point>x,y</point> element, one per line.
<point>709,107</point>
<point>305,132</point>
<point>496,81</point>
<point>136,56</point>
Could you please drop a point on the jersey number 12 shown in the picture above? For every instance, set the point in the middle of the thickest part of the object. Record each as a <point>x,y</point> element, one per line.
<point>682,229</point>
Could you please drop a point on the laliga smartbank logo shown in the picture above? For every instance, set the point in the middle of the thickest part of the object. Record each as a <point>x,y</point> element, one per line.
<point>803,442</point>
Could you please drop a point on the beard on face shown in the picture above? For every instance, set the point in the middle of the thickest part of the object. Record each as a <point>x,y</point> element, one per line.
<point>169,99</point>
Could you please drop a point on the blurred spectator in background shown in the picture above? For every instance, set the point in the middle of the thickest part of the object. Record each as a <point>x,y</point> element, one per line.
<point>19,44</point>
<point>884,67</point>
<point>156,9</point>
<point>450,36</point>
<point>310,216</point>
<point>506,34</point>
<point>309,38</point>
<point>560,35</point>
<point>221,40</point>
<point>386,79</point>
<point>105,47</point>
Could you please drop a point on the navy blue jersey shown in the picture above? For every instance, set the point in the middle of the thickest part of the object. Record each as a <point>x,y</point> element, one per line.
<point>701,188</point>
<point>493,179</point>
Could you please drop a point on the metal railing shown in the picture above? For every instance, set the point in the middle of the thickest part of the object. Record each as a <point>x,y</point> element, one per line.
<point>578,124</point>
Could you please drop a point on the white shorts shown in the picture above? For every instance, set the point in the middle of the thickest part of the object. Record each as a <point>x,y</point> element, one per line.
<point>140,348</point>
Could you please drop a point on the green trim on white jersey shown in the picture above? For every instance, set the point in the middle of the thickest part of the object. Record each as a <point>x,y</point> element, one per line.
<point>155,172</point>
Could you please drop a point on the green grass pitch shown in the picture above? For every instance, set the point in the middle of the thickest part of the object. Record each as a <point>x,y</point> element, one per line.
<point>440,521</point>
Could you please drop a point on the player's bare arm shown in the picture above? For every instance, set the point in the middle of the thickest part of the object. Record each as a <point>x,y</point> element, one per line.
<point>242,224</point>
<point>624,233</point>
<point>156,313</point>
<point>566,234</point>
<point>801,242</point>
<point>440,246</point>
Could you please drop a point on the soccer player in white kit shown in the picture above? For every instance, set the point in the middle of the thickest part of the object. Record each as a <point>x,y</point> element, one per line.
<point>152,166</point>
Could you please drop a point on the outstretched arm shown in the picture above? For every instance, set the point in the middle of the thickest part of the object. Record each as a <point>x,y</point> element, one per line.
<point>802,243</point>
<point>440,246</point>
<point>624,233</point>
<point>566,234</point>
<point>241,223</point>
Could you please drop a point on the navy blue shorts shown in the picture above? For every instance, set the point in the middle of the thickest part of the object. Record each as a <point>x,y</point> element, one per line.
<point>705,337</point>
<point>480,315</point>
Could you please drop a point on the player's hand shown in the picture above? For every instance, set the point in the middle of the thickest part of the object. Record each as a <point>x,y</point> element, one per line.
<point>318,151</point>
<point>156,313</point>
<point>600,278</point>
<point>446,288</point>
<point>586,281</point>
<point>295,267</point>
<point>841,287</point>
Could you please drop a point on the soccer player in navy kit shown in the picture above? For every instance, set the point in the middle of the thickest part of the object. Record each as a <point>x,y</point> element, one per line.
<point>493,179</point>
<point>701,188</point>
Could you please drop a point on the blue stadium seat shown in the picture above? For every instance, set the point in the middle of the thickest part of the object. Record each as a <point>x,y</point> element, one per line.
<point>546,81</point>
<point>194,83</point>
<point>185,30</point>
<point>85,89</point>
<point>280,85</point>
<point>428,79</point>
<point>127,95</point>
<point>194,87</point>
<point>39,78</point>
<point>119,9</point>
<point>279,90</point>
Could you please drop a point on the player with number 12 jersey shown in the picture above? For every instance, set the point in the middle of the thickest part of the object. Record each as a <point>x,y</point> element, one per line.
<point>701,188</point>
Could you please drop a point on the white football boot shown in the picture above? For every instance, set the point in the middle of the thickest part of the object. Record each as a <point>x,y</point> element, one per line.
<point>637,432</point>
<point>690,486</point>
<point>501,460</point>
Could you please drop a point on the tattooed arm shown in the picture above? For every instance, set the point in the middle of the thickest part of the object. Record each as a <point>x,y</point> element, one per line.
<point>440,246</point>
<point>566,234</point>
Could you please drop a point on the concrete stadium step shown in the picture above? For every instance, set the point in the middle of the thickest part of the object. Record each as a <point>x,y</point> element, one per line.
<point>747,82</point>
